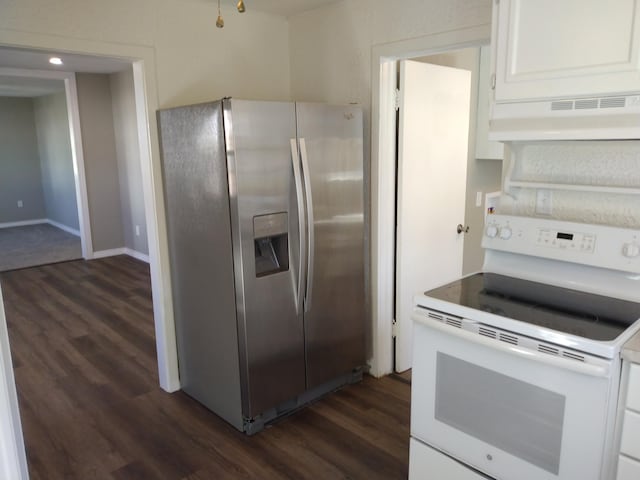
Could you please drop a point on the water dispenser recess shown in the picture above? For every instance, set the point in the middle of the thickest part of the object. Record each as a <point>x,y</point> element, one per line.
<point>271,243</point>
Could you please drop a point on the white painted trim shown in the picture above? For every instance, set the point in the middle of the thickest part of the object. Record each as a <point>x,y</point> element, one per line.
<point>383,122</point>
<point>384,58</point>
<point>82,198</point>
<point>61,226</point>
<point>75,136</point>
<point>156,226</point>
<point>23,223</point>
<point>13,460</point>
<point>112,252</point>
<point>143,257</point>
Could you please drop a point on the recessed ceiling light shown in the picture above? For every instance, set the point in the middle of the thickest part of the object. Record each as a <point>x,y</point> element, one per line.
<point>55,61</point>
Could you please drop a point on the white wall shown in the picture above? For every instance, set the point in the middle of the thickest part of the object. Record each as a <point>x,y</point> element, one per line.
<point>100,161</point>
<point>195,61</point>
<point>20,175</point>
<point>128,158</point>
<point>56,161</point>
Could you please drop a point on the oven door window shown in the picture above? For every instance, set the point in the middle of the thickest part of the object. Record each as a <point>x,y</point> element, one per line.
<point>514,416</point>
<point>508,412</point>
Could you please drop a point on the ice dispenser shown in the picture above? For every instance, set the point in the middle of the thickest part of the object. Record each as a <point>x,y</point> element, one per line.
<point>271,243</point>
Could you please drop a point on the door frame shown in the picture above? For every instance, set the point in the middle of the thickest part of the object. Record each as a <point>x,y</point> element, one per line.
<point>383,174</point>
<point>75,137</point>
<point>143,60</point>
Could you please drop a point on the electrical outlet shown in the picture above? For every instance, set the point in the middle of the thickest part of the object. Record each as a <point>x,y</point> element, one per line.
<point>20,205</point>
<point>544,202</point>
<point>137,230</point>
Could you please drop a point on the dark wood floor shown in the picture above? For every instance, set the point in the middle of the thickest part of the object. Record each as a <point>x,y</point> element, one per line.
<point>84,356</point>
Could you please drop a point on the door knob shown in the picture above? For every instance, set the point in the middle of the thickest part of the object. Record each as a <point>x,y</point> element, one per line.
<point>461,228</point>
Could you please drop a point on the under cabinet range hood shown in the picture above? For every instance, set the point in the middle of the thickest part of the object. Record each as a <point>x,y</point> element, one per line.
<point>595,118</point>
<point>565,70</point>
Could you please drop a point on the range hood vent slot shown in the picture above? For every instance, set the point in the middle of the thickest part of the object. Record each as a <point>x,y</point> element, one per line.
<point>586,104</point>
<point>613,102</point>
<point>562,105</point>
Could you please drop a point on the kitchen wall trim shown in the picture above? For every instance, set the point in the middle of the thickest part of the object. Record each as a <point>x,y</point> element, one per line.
<point>383,173</point>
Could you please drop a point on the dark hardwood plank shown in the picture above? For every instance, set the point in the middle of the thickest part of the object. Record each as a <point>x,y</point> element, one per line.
<point>82,339</point>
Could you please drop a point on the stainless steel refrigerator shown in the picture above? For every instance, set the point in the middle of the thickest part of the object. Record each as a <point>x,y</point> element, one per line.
<point>265,219</point>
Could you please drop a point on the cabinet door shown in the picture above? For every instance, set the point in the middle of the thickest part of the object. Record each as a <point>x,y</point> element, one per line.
<point>552,49</point>
<point>485,149</point>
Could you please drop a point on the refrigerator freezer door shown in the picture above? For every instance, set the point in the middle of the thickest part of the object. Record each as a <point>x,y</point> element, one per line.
<point>334,322</point>
<point>199,231</point>
<point>261,183</point>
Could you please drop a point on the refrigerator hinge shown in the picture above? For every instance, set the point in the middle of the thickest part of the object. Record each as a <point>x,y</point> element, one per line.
<point>394,329</point>
<point>396,100</point>
<point>493,81</point>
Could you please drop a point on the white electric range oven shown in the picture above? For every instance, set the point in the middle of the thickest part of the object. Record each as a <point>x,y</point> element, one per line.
<point>516,370</point>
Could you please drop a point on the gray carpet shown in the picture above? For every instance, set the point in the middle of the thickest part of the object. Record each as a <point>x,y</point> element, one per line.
<point>22,247</point>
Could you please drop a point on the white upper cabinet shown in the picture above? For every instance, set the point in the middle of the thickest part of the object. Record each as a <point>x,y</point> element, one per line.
<point>566,48</point>
<point>485,149</point>
<point>565,69</point>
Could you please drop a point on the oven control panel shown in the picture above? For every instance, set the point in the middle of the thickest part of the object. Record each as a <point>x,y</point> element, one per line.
<point>577,241</point>
<point>596,245</point>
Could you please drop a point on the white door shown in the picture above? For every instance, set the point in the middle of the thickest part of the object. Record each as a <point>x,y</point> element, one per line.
<point>432,175</point>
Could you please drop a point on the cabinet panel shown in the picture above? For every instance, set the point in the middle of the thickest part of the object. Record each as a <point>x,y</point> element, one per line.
<point>551,49</point>
<point>485,149</point>
<point>633,395</point>
<point>628,469</point>
<point>631,435</point>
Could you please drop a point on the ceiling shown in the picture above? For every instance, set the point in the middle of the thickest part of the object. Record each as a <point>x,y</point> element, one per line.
<point>18,86</point>
<point>285,7</point>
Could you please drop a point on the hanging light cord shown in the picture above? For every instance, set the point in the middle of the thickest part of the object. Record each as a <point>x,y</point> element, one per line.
<point>220,21</point>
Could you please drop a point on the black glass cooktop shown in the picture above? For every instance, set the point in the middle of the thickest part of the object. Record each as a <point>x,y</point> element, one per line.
<point>570,311</point>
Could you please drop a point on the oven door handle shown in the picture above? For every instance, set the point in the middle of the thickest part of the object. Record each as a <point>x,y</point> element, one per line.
<point>525,353</point>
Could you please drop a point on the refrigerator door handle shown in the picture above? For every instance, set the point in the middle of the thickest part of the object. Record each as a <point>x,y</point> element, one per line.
<point>310,224</point>
<point>295,162</point>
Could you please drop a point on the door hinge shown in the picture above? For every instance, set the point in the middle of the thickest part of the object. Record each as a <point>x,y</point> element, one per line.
<point>394,329</point>
<point>493,81</point>
<point>397,99</point>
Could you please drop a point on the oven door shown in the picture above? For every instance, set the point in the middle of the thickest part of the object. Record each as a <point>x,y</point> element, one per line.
<point>508,411</point>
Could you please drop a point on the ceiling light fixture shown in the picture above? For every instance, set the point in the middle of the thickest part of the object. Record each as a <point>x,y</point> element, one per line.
<point>220,21</point>
<point>55,61</point>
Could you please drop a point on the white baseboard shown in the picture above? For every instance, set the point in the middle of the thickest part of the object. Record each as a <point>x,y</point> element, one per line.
<point>23,223</point>
<point>121,251</point>
<point>143,257</point>
<point>63,227</point>
<point>109,253</point>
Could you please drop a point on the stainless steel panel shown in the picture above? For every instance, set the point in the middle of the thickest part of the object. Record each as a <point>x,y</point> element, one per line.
<point>269,225</point>
<point>261,183</point>
<point>334,325</point>
<point>197,206</point>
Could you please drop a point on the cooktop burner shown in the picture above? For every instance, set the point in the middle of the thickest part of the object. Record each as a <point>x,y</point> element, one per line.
<point>578,313</point>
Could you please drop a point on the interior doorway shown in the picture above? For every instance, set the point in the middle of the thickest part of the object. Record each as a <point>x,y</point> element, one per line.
<point>11,440</point>
<point>433,133</point>
<point>482,176</point>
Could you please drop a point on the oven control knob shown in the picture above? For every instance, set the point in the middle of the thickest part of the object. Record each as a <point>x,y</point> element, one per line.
<point>505,233</point>
<point>631,250</point>
<point>491,231</point>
